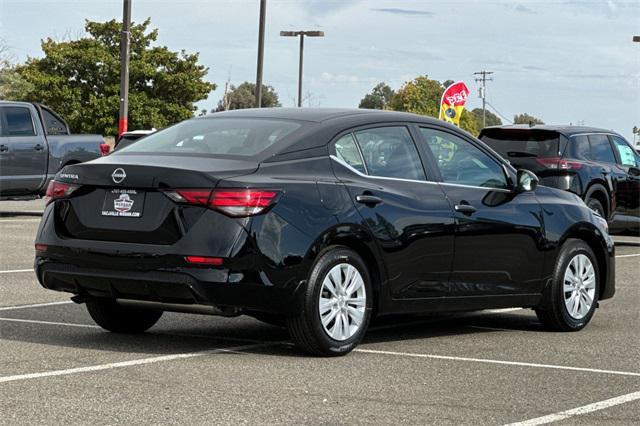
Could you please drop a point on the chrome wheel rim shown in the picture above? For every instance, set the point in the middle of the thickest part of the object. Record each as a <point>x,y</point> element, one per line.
<point>579,286</point>
<point>343,301</point>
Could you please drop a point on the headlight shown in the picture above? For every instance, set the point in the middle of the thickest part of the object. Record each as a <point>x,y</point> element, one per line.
<point>602,222</point>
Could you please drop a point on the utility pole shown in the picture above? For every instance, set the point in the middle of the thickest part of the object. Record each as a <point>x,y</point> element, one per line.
<point>263,15</point>
<point>301,34</point>
<point>483,92</point>
<point>124,67</point>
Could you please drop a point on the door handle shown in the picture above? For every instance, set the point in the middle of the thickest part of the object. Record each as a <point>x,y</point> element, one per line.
<point>38,147</point>
<point>4,148</point>
<point>464,209</point>
<point>370,200</point>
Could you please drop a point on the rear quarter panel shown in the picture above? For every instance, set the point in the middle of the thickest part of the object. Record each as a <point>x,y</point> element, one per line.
<point>64,149</point>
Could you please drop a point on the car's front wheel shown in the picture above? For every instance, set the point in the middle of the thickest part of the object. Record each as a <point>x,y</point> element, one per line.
<point>571,299</point>
<point>111,316</point>
<point>337,305</point>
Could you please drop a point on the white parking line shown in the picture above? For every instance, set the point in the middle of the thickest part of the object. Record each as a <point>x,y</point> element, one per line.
<point>36,305</point>
<point>69,324</point>
<point>563,415</point>
<point>19,220</point>
<point>13,271</point>
<point>628,255</point>
<point>141,361</point>
<point>495,361</point>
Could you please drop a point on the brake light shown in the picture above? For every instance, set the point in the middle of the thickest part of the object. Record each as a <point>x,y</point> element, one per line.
<point>41,248</point>
<point>232,202</point>
<point>104,148</point>
<point>203,260</point>
<point>559,163</point>
<point>57,190</point>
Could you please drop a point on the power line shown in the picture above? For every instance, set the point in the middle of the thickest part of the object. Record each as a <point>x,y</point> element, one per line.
<point>498,112</point>
<point>483,92</point>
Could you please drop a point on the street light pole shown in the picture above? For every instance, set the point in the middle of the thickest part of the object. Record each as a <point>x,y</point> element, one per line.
<point>263,14</point>
<point>124,67</point>
<point>301,34</point>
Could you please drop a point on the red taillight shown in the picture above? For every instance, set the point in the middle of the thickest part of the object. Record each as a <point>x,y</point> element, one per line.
<point>57,190</point>
<point>40,248</point>
<point>559,163</point>
<point>104,148</point>
<point>203,260</point>
<point>237,203</point>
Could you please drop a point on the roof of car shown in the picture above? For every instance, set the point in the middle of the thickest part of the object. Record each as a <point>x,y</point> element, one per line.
<point>564,129</point>
<point>319,114</point>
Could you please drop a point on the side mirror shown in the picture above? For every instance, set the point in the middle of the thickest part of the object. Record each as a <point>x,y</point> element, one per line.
<point>527,181</point>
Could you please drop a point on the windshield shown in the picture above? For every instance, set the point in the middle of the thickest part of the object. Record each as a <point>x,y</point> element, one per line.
<point>512,144</point>
<point>215,136</point>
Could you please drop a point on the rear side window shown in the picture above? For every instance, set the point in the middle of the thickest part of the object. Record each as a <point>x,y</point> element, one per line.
<point>347,151</point>
<point>625,152</point>
<point>53,124</point>
<point>601,149</point>
<point>390,152</point>
<point>216,136</point>
<point>517,143</point>
<point>579,148</point>
<point>18,120</point>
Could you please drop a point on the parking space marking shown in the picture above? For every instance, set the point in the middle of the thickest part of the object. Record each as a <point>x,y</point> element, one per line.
<point>590,408</point>
<point>628,255</point>
<point>70,324</point>
<point>134,362</point>
<point>14,271</point>
<point>19,220</point>
<point>496,361</point>
<point>36,305</point>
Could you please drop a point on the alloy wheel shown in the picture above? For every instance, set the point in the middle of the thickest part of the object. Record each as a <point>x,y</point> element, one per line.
<point>343,301</point>
<point>579,286</point>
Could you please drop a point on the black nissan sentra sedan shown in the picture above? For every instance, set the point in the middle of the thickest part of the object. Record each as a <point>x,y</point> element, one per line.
<point>319,219</point>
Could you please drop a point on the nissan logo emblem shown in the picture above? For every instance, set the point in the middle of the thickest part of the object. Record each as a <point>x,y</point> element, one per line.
<point>118,175</point>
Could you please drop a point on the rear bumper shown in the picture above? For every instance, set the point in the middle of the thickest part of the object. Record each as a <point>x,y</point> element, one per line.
<point>175,287</point>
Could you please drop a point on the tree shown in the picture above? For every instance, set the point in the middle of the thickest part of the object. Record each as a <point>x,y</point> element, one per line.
<point>492,119</point>
<point>525,118</point>
<point>12,85</point>
<point>422,96</point>
<point>244,96</point>
<point>379,98</point>
<point>81,79</point>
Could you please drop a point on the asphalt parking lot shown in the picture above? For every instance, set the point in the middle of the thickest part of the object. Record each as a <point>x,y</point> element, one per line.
<point>490,367</point>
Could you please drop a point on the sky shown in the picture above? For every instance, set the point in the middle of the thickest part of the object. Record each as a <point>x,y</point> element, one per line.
<point>565,61</point>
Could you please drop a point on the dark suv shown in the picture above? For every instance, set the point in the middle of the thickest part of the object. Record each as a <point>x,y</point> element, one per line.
<point>598,165</point>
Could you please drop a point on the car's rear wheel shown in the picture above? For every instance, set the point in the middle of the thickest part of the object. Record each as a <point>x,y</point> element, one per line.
<point>122,319</point>
<point>337,305</point>
<point>595,205</point>
<point>571,300</point>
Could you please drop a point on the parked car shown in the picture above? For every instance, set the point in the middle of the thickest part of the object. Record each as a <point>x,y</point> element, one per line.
<point>319,219</point>
<point>128,138</point>
<point>35,143</point>
<point>598,165</point>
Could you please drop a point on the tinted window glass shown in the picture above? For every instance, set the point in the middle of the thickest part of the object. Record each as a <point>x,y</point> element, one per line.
<point>462,163</point>
<point>18,122</point>
<point>625,152</point>
<point>390,152</point>
<point>53,124</point>
<point>215,136</point>
<point>601,149</point>
<point>579,148</point>
<point>516,143</point>
<point>347,151</point>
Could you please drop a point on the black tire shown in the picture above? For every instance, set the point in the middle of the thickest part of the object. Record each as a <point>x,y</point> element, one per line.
<point>552,311</point>
<point>595,205</point>
<point>122,319</point>
<point>306,329</point>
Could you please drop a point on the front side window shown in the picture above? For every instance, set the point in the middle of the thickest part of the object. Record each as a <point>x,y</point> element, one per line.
<point>390,152</point>
<point>347,151</point>
<point>18,121</point>
<point>462,163</point>
<point>215,136</point>
<point>601,149</point>
<point>625,152</point>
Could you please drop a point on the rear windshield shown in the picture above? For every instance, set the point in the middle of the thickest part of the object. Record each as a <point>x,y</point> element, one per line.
<point>215,136</point>
<point>512,144</point>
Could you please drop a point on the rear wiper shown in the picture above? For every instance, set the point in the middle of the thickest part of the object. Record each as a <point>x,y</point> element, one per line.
<point>521,154</point>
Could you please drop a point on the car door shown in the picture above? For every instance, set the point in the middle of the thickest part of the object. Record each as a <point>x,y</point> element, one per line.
<point>498,231</point>
<point>603,157</point>
<point>24,158</point>
<point>408,216</point>
<point>628,186</point>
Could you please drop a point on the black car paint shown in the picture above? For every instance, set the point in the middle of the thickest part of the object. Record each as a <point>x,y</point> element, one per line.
<point>422,255</point>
